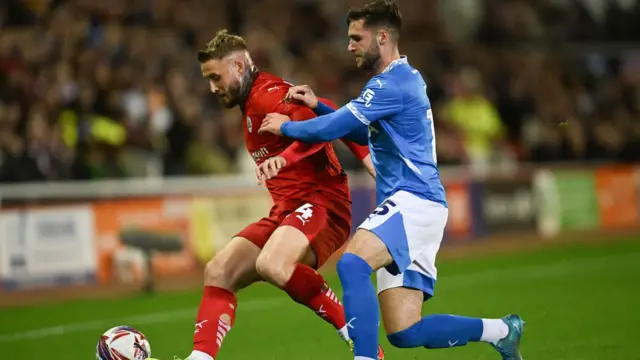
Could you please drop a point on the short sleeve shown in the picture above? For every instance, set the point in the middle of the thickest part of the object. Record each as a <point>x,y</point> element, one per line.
<point>380,98</point>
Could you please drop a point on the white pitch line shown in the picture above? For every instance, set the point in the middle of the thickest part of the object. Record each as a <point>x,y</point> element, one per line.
<point>160,317</point>
<point>560,268</point>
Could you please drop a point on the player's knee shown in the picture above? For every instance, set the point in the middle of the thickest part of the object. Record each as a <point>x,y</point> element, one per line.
<point>217,273</point>
<point>272,269</point>
<point>213,273</point>
<point>351,265</point>
<point>407,338</point>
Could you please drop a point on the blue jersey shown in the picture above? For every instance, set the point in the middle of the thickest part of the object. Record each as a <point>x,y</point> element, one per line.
<point>395,107</point>
<point>394,112</point>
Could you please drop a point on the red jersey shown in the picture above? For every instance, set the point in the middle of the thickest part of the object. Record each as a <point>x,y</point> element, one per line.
<point>311,168</point>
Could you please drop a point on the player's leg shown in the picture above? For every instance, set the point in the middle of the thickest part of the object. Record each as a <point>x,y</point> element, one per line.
<point>363,254</point>
<point>232,269</point>
<point>401,307</point>
<point>289,260</point>
<point>401,239</point>
<point>401,300</point>
<point>383,240</point>
<point>407,328</point>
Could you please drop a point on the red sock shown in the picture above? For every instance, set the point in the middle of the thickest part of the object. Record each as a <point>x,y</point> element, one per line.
<point>308,288</point>
<point>215,318</point>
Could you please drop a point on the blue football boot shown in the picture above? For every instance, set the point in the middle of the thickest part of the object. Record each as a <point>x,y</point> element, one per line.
<point>509,347</point>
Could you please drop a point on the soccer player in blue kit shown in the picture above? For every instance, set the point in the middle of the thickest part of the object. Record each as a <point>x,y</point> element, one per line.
<point>401,237</point>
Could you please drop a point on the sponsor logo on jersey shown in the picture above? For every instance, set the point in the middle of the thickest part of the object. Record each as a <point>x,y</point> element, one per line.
<point>366,97</point>
<point>259,154</point>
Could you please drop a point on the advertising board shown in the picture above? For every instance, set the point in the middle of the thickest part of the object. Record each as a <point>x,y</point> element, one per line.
<point>617,196</point>
<point>47,247</point>
<point>577,200</point>
<point>168,216</point>
<point>504,206</point>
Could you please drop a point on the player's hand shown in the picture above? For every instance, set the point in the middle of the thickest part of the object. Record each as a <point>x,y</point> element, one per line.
<point>272,123</point>
<point>270,168</point>
<point>368,164</point>
<point>303,94</point>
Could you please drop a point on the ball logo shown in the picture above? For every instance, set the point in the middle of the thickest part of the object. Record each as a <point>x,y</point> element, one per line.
<point>140,352</point>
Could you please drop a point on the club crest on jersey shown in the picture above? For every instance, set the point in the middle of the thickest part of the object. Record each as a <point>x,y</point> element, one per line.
<point>249,124</point>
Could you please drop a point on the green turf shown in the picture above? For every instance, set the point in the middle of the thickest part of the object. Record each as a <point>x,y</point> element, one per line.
<point>579,301</point>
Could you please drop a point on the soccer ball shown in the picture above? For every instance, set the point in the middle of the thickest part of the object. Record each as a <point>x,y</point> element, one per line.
<point>123,343</point>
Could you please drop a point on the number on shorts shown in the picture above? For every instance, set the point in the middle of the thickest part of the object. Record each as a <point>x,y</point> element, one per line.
<point>384,208</point>
<point>304,213</point>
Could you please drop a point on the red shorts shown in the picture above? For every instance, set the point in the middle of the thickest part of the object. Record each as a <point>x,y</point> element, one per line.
<point>326,228</point>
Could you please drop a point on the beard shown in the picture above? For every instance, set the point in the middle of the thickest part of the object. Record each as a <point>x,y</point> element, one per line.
<point>370,58</point>
<point>237,93</point>
<point>231,96</point>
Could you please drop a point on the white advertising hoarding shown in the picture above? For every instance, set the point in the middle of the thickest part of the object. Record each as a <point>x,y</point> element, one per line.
<point>53,246</point>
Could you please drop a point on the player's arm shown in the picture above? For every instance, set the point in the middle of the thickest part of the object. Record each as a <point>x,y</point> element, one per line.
<point>368,164</point>
<point>323,128</point>
<point>378,100</point>
<point>358,148</point>
<point>323,109</point>
<point>298,150</point>
<point>324,106</point>
<point>362,153</point>
<point>359,136</point>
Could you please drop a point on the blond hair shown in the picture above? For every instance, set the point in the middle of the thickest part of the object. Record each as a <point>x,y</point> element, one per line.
<point>223,44</point>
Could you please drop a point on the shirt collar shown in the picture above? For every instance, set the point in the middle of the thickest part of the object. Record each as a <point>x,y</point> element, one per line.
<point>394,63</point>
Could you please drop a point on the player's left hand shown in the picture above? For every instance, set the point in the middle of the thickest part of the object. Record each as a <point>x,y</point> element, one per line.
<point>272,123</point>
<point>270,168</point>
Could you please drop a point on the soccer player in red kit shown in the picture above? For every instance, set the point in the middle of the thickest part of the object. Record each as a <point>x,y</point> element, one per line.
<point>311,216</point>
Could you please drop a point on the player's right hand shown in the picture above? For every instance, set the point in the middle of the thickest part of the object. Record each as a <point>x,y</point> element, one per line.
<point>270,168</point>
<point>303,94</point>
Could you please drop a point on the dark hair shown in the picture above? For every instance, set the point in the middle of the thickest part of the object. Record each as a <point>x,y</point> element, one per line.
<point>384,13</point>
<point>220,46</point>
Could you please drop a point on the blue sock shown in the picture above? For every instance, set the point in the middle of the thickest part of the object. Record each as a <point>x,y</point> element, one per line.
<point>360,304</point>
<point>439,331</point>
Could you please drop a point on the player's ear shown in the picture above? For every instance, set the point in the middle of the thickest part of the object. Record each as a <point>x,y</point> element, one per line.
<point>239,67</point>
<point>382,37</point>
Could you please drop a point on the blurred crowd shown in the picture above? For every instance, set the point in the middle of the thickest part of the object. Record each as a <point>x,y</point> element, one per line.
<point>110,89</point>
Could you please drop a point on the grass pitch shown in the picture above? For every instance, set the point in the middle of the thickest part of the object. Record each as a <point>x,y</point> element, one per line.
<point>580,302</point>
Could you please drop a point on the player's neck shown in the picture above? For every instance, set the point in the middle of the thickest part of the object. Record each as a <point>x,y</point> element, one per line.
<point>387,59</point>
<point>246,89</point>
